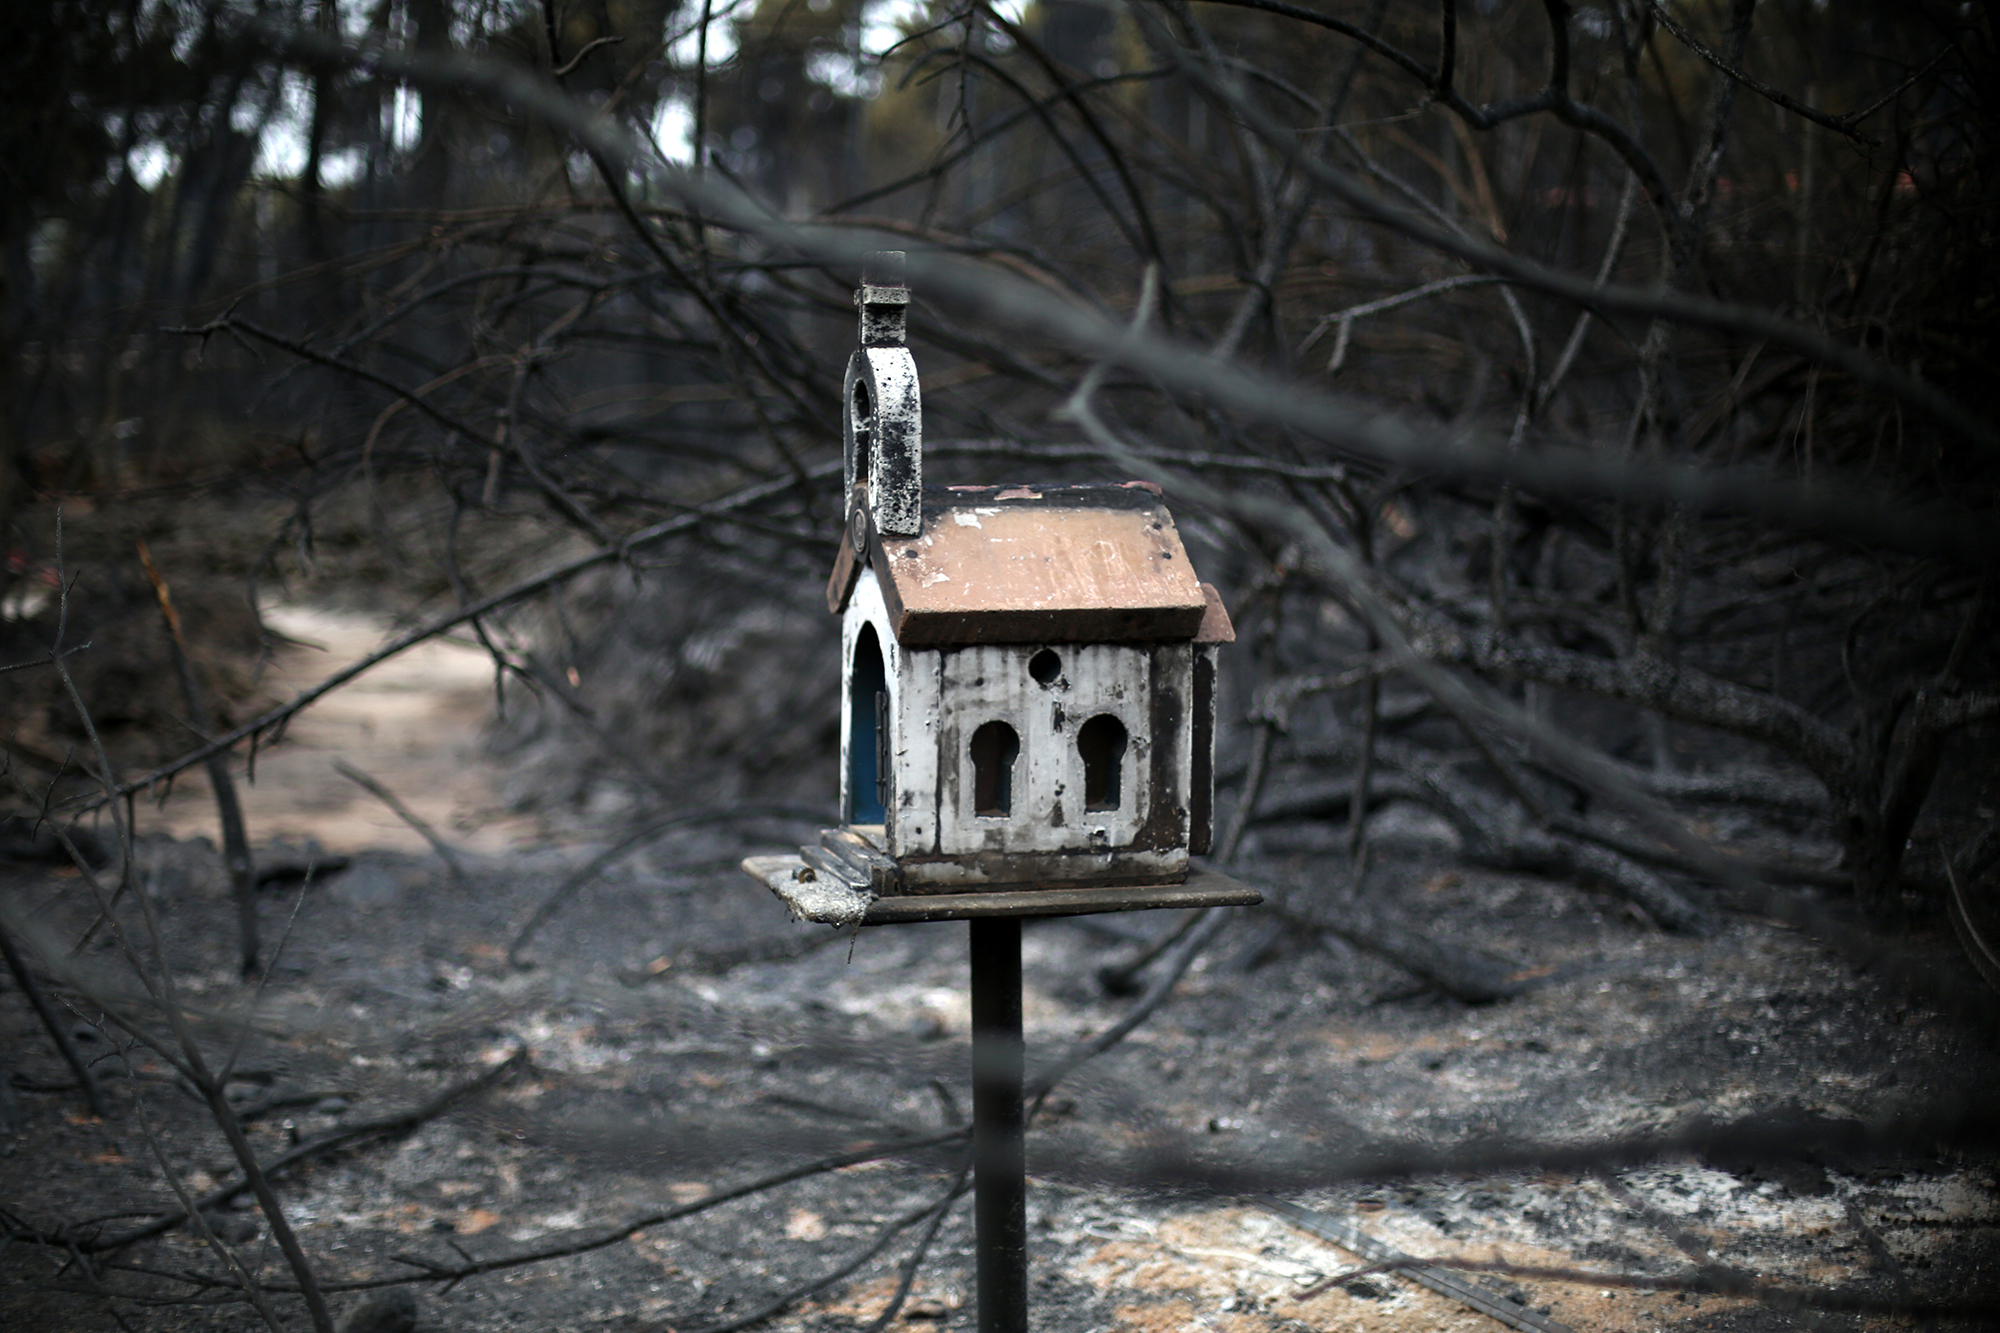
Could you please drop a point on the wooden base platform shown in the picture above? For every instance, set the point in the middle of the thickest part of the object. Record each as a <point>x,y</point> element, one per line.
<point>814,897</point>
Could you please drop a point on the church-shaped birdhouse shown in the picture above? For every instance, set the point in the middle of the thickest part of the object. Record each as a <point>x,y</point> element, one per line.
<point>1028,671</point>
<point>1027,730</point>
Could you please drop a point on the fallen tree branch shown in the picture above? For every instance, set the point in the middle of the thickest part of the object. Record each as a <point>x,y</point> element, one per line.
<point>1387,1259</point>
<point>1473,976</point>
<point>1496,835</point>
<point>52,1023</point>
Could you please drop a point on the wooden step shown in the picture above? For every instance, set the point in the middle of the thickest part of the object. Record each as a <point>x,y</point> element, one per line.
<point>879,871</point>
<point>828,866</point>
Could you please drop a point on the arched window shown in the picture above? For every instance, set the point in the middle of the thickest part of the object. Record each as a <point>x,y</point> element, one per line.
<point>995,747</point>
<point>1101,743</point>
<point>868,733</point>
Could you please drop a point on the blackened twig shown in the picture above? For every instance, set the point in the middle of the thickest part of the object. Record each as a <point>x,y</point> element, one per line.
<point>894,1228</point>
<point>569,887</point>
<point>446,852</point>
<point>562,573</point>
<point>1839,124</point>
<point>629,1229</point>
<point>908,1271</point>
<point>1208,924</point>
<point>247,1281</point>
<point>228,808</point>
<point>397,1122</point>
<point>569,66</point>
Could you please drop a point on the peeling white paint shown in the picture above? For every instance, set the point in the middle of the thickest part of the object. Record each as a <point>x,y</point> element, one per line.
<point>896,430</point>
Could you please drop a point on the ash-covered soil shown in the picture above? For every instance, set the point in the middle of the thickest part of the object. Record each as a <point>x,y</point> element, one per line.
<point>676,1037</point>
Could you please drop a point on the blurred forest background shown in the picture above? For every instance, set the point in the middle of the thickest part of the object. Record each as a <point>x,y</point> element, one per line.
<point>1586,410</point>
<point>313,292</point>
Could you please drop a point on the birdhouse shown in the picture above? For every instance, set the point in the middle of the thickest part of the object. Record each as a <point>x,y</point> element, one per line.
<point>1029,687</point>
<point>1028,675</point>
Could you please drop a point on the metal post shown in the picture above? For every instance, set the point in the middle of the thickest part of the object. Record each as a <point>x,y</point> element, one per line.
<point>999,1161</point>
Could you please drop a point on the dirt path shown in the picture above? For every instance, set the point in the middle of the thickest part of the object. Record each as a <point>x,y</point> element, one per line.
<point>415,724</point>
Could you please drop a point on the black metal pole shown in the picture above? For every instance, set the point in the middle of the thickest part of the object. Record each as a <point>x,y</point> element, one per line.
<point>999,1160</point>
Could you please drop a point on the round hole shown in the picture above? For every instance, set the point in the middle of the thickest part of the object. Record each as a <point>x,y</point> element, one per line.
<point>1045,666</point>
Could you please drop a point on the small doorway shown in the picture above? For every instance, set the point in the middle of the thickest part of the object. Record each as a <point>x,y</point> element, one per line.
<point>867,733</point>
<point>995,747</point>
<point>1101,744</point>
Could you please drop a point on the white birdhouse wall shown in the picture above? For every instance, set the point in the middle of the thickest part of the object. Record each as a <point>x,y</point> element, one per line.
<point>1038,802</point>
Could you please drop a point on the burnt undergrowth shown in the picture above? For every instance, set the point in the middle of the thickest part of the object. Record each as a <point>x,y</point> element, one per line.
<point>1590,438</point>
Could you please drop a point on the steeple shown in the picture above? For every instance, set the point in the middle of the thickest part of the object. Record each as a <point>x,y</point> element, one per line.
<point>884,432</point>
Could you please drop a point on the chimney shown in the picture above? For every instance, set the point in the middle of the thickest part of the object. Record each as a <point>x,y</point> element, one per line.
<point>884,299</point>
<point>885,419</point>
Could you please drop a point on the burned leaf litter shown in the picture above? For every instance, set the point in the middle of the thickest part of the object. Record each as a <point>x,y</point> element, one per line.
<point>648,1087</point>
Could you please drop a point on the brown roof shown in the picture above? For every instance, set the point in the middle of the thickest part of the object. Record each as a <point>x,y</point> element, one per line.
<point>1215,623</point>
<point>1047,564</point>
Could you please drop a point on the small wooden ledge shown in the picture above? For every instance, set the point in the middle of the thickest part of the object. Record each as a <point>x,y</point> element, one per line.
<point>830,902</point>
